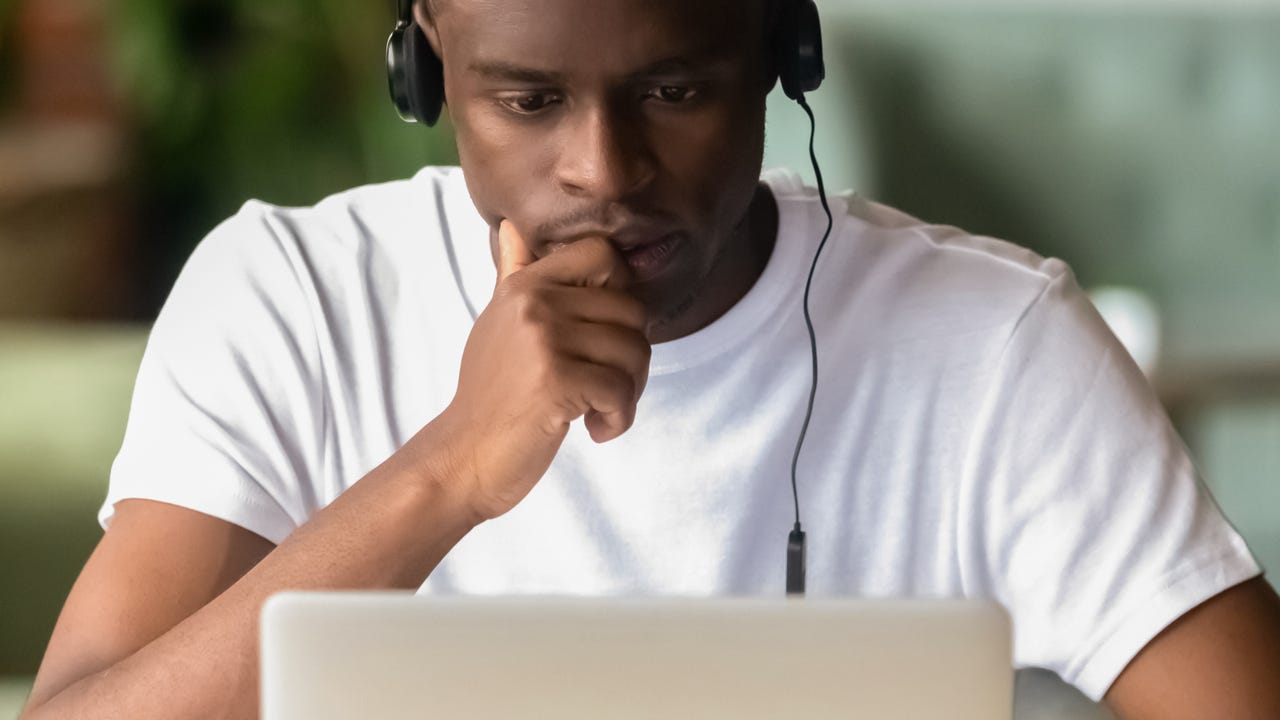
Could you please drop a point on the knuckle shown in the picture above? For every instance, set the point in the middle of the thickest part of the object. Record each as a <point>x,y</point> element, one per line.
<point>640,380</point>
<point>515,282</point>
<point>550,371</point>
<point>530,304</point>
<point>622,391</point>
<point>627,416</point>
<point>637,346</point>
<point>566,402</point>
<point>508,290</point>
<point>604,388</point>
<point>533,340</point>
<point>565,409</point>
<point>520,302</point>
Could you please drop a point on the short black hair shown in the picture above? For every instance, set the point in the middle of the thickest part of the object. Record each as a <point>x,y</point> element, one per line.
<point>430,8</point>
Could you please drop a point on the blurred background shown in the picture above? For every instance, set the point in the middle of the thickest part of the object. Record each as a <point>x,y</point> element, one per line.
<point>1137,139</point>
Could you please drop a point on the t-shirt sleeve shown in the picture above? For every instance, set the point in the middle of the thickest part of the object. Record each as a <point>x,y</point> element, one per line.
<point>1091,524</point>
<point>226,417</point>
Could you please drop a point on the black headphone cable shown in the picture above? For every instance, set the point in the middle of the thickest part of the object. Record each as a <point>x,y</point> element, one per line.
<point>795,541</point>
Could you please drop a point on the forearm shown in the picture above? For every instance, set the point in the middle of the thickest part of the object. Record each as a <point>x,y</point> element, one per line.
<point>389,530</point>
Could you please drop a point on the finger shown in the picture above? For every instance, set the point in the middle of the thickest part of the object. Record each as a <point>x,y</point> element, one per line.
<point>598,305</point>
<point>612,346</point>
<point>513,251</point>
<point>604,428</point>
<point>600,390</point>
<point>589,262</point>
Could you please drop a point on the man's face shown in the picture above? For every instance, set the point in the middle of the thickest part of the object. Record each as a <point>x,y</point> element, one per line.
<point>632,119</point>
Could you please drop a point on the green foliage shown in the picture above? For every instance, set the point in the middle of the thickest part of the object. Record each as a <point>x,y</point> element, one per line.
<point>7,8</point>
<point>284,101</point>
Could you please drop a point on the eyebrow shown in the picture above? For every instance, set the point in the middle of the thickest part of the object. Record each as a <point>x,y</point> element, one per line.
<point>502,70</point>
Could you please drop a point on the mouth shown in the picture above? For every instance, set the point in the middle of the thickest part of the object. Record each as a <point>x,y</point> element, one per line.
<point>649,252</point>
<point>648,259</point>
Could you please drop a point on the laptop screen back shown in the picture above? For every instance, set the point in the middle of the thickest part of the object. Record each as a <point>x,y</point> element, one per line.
<point>397,655</point>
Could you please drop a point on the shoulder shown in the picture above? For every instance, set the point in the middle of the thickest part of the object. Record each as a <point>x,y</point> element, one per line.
<point>887,240</point>
<point>901,278</point>
<point>298,262</point>
<point>382,217</point>
<point>943,262</point>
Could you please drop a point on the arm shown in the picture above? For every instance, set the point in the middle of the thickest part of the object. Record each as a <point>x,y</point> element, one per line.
<point>1221,659</point>
<point>163,621</point>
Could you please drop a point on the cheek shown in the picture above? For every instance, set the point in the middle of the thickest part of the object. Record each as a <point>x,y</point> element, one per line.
<point>716,164</point>
<point>500,165</point>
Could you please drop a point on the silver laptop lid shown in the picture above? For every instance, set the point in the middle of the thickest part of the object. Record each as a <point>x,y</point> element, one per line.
<point>397,655</point>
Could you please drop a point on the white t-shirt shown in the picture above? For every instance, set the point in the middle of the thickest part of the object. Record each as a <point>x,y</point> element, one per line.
<point>977,432</point>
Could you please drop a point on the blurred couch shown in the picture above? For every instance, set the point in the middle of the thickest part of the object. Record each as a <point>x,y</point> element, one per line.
<point>64,397</point>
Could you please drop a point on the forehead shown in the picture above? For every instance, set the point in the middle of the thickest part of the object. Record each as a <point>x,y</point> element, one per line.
<point>597,33</point>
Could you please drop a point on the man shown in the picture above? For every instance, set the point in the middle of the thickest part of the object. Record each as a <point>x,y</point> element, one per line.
<point>321,406</point>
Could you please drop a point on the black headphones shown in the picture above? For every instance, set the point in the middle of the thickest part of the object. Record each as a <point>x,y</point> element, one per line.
<point>416,75</point>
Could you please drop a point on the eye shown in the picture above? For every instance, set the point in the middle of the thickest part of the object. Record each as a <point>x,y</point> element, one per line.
<point>528,103</point>
<point>673,93</point>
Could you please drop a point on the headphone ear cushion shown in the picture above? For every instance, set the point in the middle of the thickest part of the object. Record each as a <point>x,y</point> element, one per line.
<point>424,77</point>
<point>799,47</point>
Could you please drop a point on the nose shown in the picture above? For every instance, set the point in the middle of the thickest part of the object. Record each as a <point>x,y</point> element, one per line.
<point>604,157</point>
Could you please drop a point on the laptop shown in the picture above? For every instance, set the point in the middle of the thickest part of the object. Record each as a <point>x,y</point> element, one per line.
<point>394,655</point>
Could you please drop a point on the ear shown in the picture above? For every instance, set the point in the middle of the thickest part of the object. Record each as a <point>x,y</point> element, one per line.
<point>422,16</point>
<point>770,79</point>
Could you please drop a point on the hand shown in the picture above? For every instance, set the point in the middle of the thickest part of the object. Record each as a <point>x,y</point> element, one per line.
<point>559,340</point>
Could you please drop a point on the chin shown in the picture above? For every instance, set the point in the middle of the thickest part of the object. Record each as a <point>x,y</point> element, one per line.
<point>670,307</point>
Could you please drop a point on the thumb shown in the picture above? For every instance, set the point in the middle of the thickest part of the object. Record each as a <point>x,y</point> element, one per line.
<point>513,253</point>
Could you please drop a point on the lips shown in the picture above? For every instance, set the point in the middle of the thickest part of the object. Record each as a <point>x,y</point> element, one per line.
<point>624,237</point>
<point>649,259</point>
<point>647,247</point>
<point>642,245</point>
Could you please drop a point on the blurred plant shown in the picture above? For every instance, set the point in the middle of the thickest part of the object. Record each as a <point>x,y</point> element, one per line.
<point>7,8</point>
<point>284,101</point>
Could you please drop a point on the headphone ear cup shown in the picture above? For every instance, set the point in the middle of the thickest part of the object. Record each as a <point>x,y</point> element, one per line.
<point>415,76</point>
<point>425,77</point>
<point>396,82</point>
<point>799,47</point>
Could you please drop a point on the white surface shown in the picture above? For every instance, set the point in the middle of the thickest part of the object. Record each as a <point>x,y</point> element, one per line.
<point>396,656</point>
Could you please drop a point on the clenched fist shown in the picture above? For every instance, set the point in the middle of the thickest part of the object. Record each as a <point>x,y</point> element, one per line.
<point>560,339</point>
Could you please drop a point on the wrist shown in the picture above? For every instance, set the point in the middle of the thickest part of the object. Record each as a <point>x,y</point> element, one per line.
<point>440,464</point>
